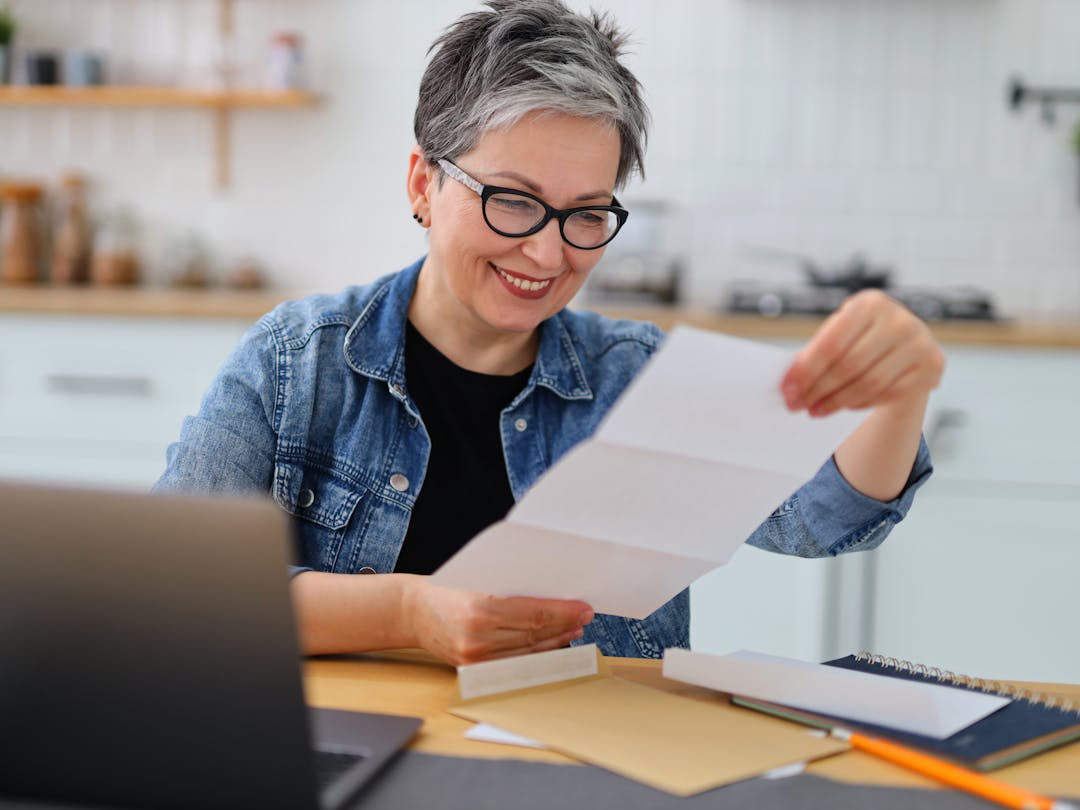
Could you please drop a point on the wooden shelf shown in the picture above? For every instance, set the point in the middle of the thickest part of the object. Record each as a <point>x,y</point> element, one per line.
<point>154,302</point>
<point>152,97</point>
<point>221,102</point>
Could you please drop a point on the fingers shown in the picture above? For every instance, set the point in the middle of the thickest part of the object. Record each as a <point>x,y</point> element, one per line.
<point>522,612</point>
<point>870,351</point>
<point>550,644</point>
<point>462,627</point>
<point>868,367</point>
<point>833,341</point>
<point>514,625</point>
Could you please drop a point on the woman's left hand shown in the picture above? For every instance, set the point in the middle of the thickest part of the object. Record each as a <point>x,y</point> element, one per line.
<point>870,352</point>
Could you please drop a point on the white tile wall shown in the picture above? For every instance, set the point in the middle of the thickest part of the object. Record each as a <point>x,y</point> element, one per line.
<point>819,126</point>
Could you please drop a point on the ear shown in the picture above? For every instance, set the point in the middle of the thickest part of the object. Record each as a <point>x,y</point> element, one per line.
<point>419,183</point>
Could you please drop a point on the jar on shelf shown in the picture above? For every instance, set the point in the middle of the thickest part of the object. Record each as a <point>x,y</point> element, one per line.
<point>72,242</point>
<point>115,261</point>
<point>187,262</point>
<point>285,62</point>
<point>21,233</point>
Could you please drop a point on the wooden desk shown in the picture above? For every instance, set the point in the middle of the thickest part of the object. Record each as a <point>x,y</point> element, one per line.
<point>409,682</point>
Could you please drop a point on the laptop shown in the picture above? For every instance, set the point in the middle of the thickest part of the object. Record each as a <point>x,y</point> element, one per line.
<point>148,658</point>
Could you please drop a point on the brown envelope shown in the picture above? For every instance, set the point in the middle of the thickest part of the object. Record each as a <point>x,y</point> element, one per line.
<point>670,742</point>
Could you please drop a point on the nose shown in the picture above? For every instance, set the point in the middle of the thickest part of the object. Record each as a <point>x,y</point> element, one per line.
<point>545,247</point>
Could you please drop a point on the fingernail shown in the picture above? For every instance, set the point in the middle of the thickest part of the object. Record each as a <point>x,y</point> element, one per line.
<point>585,617</point>
<point>578,633</point>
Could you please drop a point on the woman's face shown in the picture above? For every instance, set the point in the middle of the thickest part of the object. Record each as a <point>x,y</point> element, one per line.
<point>564,160</point>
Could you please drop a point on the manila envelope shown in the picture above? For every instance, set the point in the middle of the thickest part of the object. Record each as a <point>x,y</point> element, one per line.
<point>567,700</point>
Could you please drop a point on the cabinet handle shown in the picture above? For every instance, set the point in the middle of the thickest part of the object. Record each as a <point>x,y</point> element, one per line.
<point>98,385</point>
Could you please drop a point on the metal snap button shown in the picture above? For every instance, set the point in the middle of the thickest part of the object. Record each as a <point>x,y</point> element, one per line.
<point>367,569</point>
<point>398,389</point>
<point>399,482</point>
<point>520,424</point>
<point>307,498</point>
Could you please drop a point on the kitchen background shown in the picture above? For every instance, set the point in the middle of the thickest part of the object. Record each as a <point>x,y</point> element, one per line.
<point>782,128</point>
<point>822,127</point>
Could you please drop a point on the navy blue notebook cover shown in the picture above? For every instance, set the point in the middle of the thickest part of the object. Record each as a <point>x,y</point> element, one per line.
<point>1026,726</point>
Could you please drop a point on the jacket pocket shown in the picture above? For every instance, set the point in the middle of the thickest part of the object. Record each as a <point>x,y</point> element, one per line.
<point>323,502</point>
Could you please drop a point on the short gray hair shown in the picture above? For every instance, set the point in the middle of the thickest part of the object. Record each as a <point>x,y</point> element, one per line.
<point>492,67</point>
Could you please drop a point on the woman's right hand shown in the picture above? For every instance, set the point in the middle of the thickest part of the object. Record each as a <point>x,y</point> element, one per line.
<point>461,627</point>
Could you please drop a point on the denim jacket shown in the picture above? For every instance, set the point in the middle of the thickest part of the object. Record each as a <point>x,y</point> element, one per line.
<point>312,407</point>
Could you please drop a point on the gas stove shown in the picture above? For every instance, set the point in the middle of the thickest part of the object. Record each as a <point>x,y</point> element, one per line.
<point>929,303</point>
<point>823,292</point>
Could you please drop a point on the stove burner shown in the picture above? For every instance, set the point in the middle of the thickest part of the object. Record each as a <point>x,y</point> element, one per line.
<point>824,291</point>
<point>930,304</point>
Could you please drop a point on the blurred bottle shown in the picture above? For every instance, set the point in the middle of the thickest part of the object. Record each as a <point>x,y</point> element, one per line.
<point>285,62</point>
<point>72,242</point>
<point>246,274</point>
<point>21,233</point>
<point>115,261</point>
<point>187,262</point>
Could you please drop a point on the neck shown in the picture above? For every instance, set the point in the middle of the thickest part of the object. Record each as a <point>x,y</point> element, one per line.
<point>462,337</point>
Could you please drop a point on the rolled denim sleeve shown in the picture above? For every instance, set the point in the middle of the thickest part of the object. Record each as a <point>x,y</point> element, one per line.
<point>827,516</point>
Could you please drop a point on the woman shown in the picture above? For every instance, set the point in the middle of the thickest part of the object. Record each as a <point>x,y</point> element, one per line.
<point>398,419</point>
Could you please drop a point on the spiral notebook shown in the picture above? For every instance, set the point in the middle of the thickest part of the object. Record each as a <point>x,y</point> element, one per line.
<point>1029,724</point>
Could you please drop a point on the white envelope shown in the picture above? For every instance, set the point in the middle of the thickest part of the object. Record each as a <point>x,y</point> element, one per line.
<point>920,708</point>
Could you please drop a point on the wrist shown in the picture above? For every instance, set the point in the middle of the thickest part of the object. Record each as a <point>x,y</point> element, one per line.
<point>408,587</point>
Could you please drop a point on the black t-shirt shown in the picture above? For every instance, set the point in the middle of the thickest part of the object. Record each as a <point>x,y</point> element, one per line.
<point>466,487</point>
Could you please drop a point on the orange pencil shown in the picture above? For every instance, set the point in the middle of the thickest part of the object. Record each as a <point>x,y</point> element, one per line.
<point>951,774</point>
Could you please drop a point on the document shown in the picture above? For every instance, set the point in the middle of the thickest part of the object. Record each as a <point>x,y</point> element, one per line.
<point>694,456</point>
<point>918,708</point>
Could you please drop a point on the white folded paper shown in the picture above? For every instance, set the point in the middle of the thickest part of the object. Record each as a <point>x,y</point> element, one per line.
<point>484,732</point>
<point>694,456</point>
<point>920,708</point>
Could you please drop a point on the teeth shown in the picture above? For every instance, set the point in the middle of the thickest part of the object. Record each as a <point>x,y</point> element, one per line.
<point>522,284</point>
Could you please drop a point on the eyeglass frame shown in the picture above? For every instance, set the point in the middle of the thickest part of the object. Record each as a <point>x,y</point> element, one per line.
<point>561,214</point>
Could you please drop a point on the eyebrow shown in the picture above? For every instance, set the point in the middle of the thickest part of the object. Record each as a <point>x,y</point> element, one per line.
<point>535,189</point>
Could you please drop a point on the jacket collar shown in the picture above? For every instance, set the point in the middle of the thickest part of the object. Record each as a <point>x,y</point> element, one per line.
<point>375,343</point>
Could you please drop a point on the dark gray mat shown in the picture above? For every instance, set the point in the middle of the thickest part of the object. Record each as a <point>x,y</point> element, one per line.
<point>456,783</point>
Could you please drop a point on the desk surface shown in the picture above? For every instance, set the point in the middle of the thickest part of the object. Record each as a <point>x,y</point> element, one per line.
<point>410,682</point>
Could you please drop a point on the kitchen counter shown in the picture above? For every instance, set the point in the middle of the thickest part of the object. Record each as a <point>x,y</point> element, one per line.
<point>250,304</point>
<point>1030,332</point>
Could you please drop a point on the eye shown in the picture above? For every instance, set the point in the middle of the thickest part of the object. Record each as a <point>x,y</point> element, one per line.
<point>513,205</point>
<point>592,219</point>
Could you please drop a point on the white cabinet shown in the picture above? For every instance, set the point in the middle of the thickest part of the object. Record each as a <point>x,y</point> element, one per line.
<point>813,609</point>
<point>982,576</point>
<point>96,400</point>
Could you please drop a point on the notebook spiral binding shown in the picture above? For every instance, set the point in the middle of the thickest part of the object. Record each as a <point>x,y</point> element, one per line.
<point>1049,700</point>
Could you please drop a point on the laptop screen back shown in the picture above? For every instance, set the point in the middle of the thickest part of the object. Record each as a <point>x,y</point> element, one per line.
<point>149,655</point>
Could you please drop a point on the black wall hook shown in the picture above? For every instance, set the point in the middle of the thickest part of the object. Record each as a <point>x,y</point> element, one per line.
<point>1020,93</point>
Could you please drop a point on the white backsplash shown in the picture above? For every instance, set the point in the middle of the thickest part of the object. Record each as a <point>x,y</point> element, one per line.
<point>818,126</point>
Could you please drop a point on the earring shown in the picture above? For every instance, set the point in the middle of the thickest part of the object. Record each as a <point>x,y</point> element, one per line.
<point>418,218</point>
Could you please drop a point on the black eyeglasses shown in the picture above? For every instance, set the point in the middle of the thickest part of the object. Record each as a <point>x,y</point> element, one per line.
<point>510,212</point>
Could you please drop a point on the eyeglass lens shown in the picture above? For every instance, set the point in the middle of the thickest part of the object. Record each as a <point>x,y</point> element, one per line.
<point>516,214</point>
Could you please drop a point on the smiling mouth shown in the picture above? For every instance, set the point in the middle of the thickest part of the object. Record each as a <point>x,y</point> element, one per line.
<point>523,283</point>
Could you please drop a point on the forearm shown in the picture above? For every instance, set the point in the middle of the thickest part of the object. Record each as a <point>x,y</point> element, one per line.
<point>351,612</point>
<point>877,458</point>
